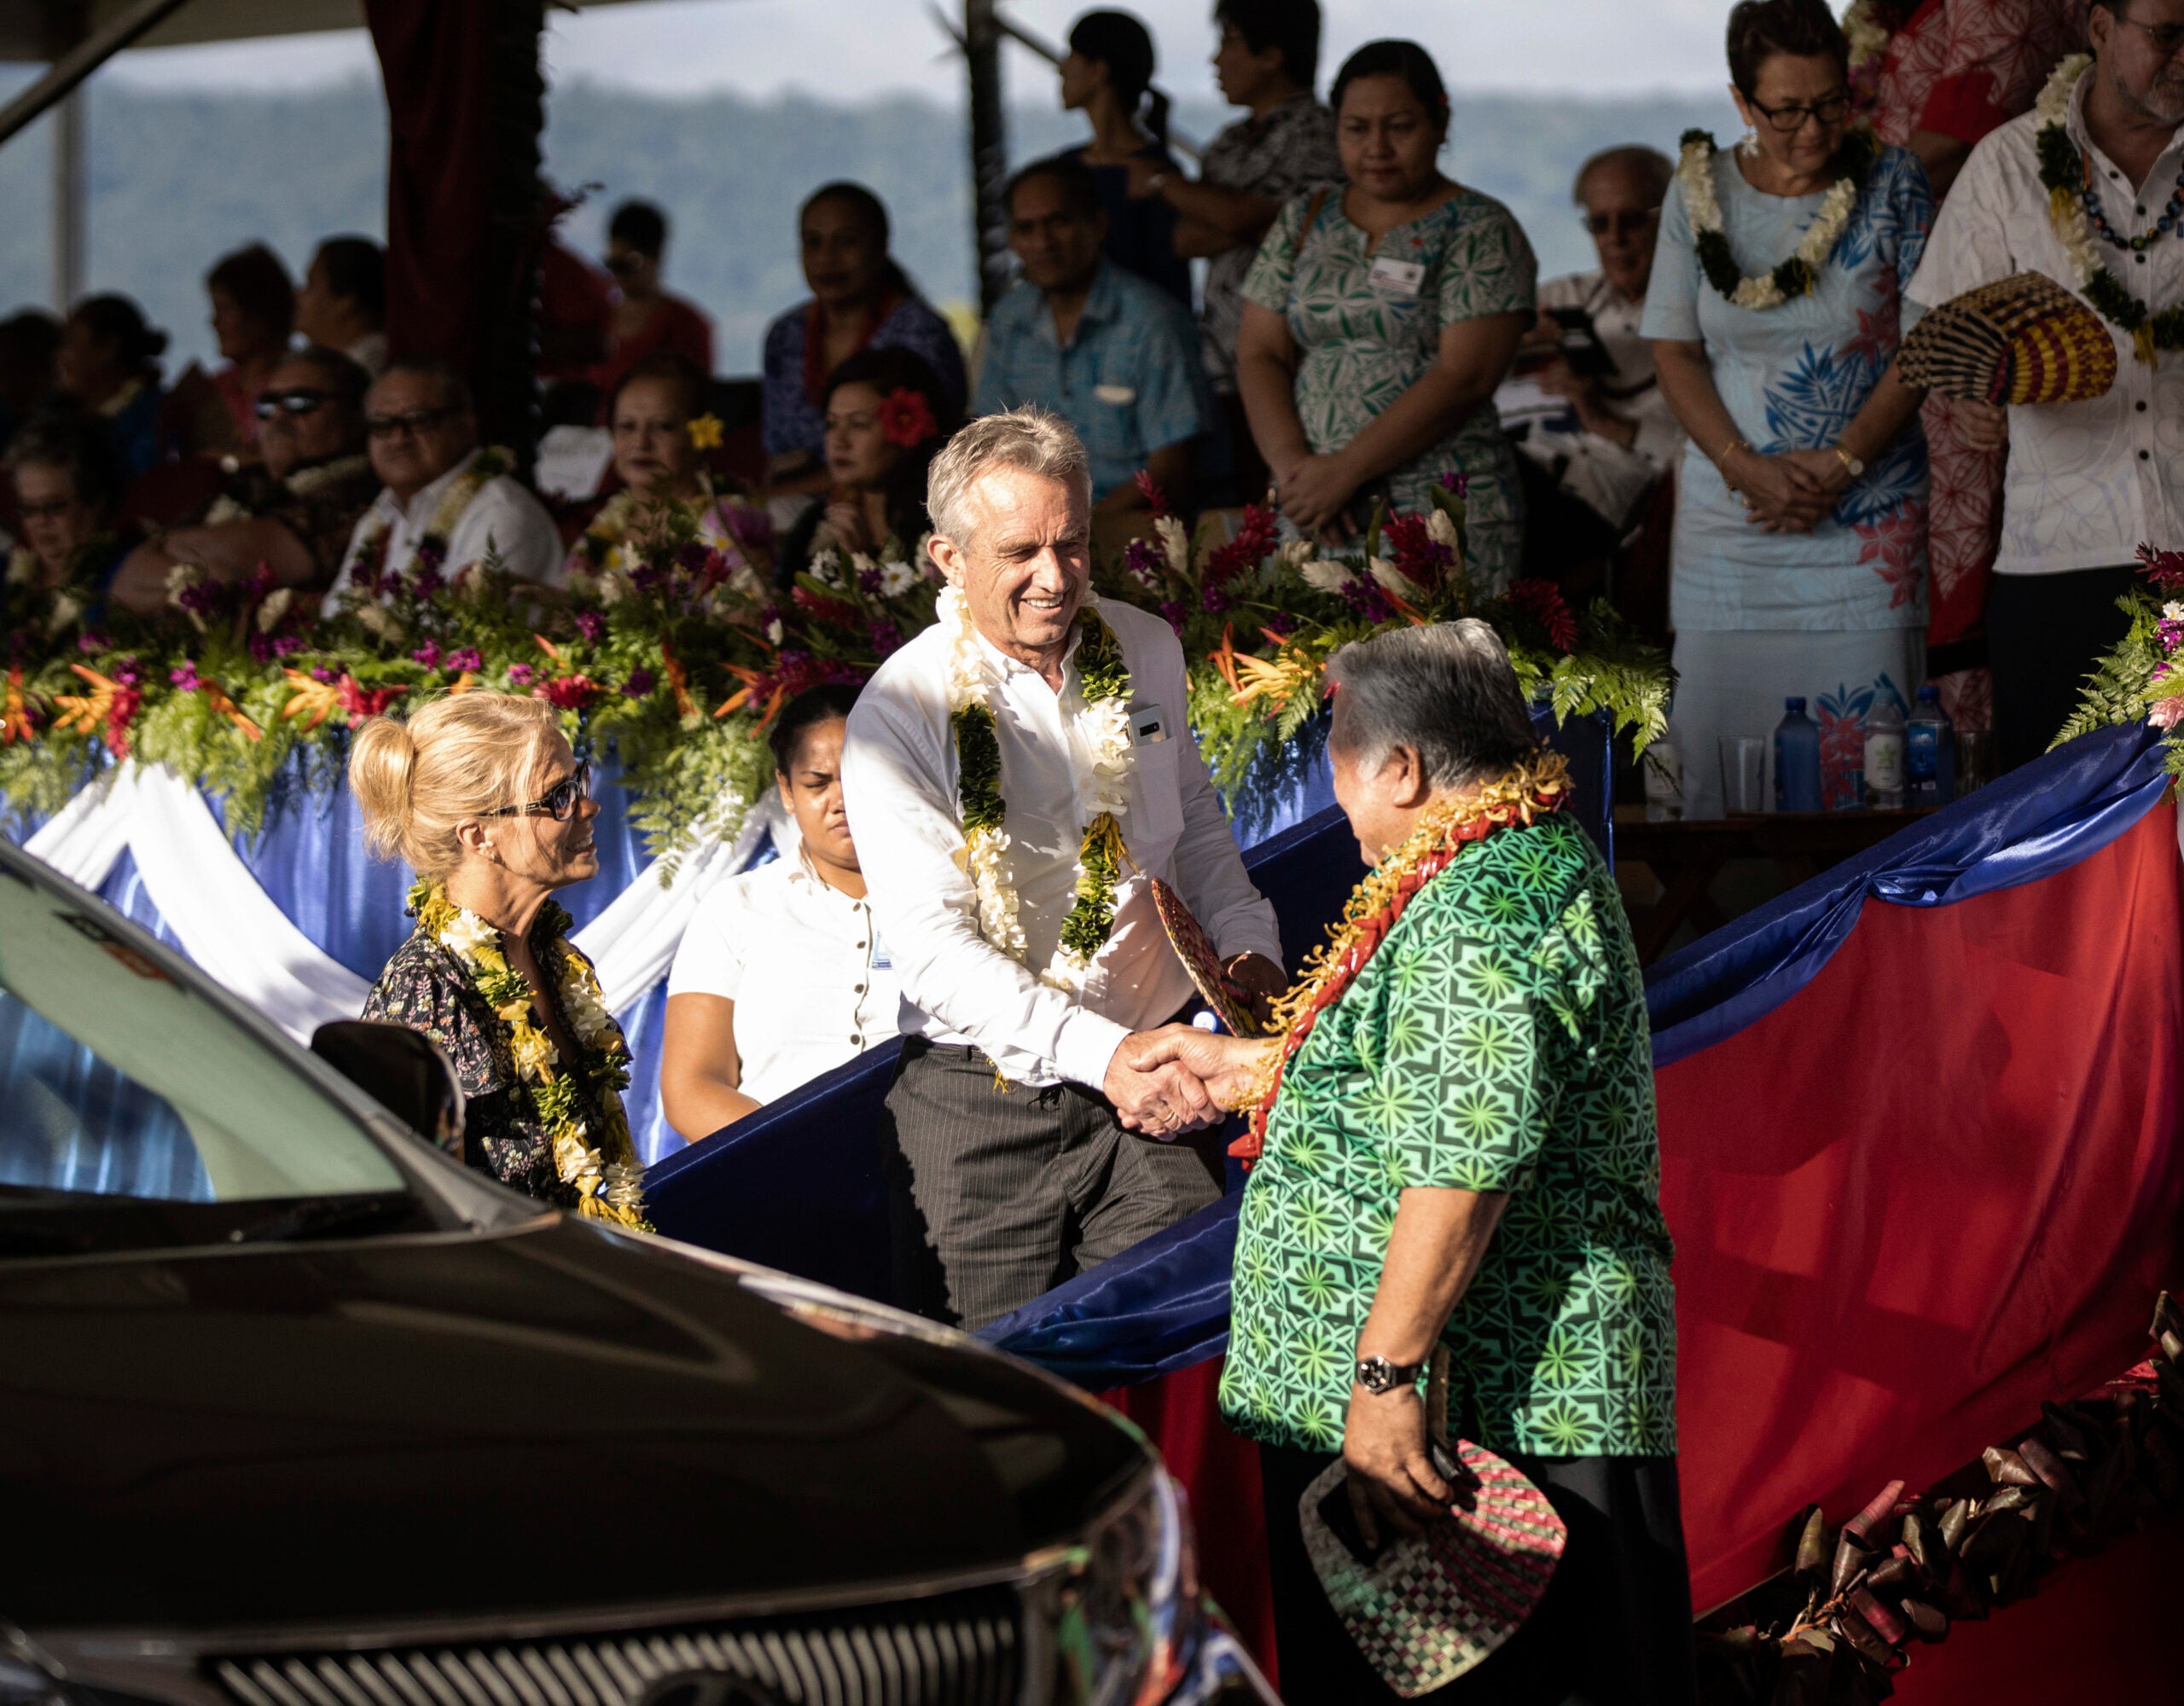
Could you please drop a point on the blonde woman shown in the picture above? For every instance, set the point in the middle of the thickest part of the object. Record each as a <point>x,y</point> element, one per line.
<point>481,795</point>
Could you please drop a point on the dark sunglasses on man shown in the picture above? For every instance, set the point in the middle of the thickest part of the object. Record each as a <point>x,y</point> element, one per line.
<point>416,421</point>
<point>558,802</point>
<point>1622,222</point>
<point>297,400</point>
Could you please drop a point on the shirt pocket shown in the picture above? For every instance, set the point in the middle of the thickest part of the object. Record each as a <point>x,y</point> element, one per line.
<point>1159,807</point>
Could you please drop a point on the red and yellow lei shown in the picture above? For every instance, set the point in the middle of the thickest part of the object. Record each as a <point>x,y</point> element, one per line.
<point>1524,795</point>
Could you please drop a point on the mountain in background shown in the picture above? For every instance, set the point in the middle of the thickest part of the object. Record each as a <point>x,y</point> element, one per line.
<point>177,180</point>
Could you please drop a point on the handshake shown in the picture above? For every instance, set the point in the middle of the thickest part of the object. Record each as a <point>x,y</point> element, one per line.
<point>1178,1079</point>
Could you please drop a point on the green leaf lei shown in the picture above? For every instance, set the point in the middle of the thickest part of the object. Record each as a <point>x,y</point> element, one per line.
<point>1795,276</point>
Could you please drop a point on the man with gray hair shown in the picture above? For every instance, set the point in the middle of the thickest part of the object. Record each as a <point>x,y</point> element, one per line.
<point>1016,777</point>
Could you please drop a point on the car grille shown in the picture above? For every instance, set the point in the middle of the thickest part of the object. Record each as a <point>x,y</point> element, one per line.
<point>959,1650</point>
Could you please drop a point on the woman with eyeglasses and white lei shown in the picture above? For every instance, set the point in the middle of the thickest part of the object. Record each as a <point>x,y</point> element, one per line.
<point>1777,305</point>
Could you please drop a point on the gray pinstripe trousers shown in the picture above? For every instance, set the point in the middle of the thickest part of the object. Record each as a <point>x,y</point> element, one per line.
<point>995,1197</point>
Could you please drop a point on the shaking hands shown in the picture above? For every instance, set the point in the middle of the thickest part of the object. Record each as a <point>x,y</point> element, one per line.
<point>1178,1079</point>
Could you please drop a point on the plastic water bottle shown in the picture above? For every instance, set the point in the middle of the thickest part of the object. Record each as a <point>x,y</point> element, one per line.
<point>1884,753</point>
<point>1797,760</point>
<point>1930,752</point>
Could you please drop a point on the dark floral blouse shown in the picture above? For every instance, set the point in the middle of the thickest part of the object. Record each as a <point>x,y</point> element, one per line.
<point>423,986</point>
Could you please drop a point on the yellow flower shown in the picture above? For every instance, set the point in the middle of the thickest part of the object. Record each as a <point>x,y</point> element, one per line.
<point>705,432</point>
<point>532,1053</point>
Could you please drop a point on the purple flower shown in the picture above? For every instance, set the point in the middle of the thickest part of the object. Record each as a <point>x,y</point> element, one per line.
<point>426,582</point>
<point>1363,595</point>
<point>592,625</point>
<point>92,641</point>
<point>319,672</point>
<point>432,553</point>
<point>1144,560</point>
<point>286,645</point>
<point>2170,633</point>
<point>465,659</point>
<point>521,673</point>
<point>869,582</point>
<point>199,597</point>
<point>640,683</point>
<point>1173,610</point>
<point>769,614</point>
<point>428,654</point>
<point>1281,624</point>
<point>260,581</point>
<point>694,556</point>
<point>886,639</point>
<point>183,676</point>
<point>753,527</point>
<point>1454,482</point>
<point>128,672</point>
<point>260,647</point>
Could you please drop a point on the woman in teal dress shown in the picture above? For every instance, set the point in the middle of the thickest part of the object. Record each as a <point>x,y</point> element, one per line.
<point>1378,322</point>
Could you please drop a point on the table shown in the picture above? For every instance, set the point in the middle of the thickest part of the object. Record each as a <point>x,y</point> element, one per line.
<point>1686,855</point>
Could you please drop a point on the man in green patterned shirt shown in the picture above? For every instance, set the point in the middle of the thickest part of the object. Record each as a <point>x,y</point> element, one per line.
<point>1462,1153</point>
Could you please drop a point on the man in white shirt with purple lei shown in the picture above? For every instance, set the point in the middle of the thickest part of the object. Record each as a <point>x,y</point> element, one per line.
<point>1016,776</point>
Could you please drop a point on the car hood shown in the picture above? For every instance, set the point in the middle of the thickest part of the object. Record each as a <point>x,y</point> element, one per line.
<point>422,1428</point>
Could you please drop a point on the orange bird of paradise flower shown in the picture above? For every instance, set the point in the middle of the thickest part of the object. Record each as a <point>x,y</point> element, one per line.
<point>15,723</point>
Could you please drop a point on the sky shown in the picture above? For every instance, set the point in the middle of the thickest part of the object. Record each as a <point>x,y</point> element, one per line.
<point>852,48</point>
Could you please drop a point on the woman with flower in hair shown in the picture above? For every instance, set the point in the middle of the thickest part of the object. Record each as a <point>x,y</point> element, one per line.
<point>1798,564</point>
<point>661,434</point>
<point>482,798</point>
<point>887,415</point>
<point>1456,1159</point>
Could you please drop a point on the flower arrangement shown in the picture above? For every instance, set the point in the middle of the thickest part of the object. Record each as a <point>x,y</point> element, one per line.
<point>2143,676</point>
<point>671,646</point>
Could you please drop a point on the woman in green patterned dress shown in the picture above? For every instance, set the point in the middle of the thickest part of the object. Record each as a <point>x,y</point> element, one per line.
<point>1459,1153</point>
<point>1378,322</point>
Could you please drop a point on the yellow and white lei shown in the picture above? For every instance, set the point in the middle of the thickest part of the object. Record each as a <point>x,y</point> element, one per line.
<point>606,1175</point>
<point>1695,172</point>
<point>1103,726</point>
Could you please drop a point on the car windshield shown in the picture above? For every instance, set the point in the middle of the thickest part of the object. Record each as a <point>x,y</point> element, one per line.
<point>127,1099</point>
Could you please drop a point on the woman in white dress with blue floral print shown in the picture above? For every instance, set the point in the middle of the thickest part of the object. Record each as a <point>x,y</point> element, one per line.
<point>1776,303</point>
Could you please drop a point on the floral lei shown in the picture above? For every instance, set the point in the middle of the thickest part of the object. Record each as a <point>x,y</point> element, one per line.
<point>1867,39</point>
<point>1797,275</point>
<point>2064,173</point>
<point>607,1177</point>
<point>1538,787</point>
<point>367,566</point>
<point>1104,684</point>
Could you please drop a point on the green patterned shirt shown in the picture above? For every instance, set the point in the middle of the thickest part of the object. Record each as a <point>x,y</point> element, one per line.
<point>1367,319</point>
<point>1496,1042</point>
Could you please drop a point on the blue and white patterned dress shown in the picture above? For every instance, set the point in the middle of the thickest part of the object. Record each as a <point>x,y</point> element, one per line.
<point>1792,378</point>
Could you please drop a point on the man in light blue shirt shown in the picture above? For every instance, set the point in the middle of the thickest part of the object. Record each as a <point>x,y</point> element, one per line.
<point>1115,356</point>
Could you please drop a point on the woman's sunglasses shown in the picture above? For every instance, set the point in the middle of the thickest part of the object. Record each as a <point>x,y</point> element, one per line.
<point>298,401</point>
<point>558,802</point>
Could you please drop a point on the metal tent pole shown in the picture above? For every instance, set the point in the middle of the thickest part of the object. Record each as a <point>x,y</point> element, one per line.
<point>68,188</point>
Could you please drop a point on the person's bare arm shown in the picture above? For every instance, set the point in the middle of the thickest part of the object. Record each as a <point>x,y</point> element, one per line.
<point>1943,157</point>
<point>1266,379</point>
<point>1237,215</point>
<point>700,1073</point>
<point>229,552</point>
<point>1197,240</point>
<point>1474,358</point>
<point>1440,1237</point>
<point>1784,496</point>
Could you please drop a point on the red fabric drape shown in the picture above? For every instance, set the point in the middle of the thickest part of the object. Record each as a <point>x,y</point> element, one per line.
<point>1936,1187</point>
<point>433,58</point>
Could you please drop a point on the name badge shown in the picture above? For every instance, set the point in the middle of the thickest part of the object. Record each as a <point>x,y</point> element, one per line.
<point>1401,280</point>
<point>1149,726</point>
<point>1118,395</point>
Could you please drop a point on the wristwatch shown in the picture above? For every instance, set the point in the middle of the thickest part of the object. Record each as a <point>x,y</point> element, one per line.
<point>1851,460</point>
<point>1376,1374</point>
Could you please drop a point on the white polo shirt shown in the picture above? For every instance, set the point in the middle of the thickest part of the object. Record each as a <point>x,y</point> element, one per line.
<point>812,983</point>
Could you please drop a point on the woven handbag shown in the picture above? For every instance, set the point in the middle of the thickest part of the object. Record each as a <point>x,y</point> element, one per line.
<point>2021,339</point>
<point>1429,1607</point>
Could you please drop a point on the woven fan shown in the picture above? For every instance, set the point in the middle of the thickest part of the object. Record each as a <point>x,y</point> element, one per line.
<point>2023,339</point>
<point>1187,936</point>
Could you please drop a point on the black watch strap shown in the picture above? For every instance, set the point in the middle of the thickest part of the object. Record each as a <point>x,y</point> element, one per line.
<point>1376,1374</point>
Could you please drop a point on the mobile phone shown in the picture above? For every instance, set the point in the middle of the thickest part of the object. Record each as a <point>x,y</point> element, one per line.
<point>1582,347</point>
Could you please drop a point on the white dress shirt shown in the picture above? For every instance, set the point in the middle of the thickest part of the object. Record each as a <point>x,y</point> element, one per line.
<point>899,780</point>
<point>503,514</point>
<point>2088,482</point>
<point>809,975</point>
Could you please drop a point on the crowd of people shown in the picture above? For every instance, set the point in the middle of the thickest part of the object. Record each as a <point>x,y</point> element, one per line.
<point>1475,1102</point>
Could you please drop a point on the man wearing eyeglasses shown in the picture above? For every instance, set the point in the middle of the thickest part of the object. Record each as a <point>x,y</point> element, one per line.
<point>1627,436</point>
<point>293,512</point>
<point>422,431</point>
<point>2087,483</point>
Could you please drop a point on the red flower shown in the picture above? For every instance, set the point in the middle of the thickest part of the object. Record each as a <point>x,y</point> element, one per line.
<point>568,693</point>
<point>1155,499</point>
<point>2165,569</point>
<point>1541,600</point>
<point>906,418</point>
<point>361,702</point>
<point>837,613</point>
